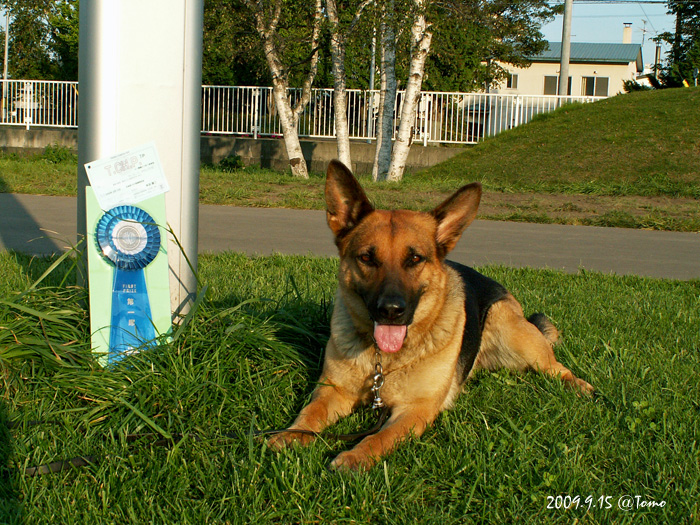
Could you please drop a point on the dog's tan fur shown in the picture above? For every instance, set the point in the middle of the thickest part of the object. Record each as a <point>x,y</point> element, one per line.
<point>423,377</point>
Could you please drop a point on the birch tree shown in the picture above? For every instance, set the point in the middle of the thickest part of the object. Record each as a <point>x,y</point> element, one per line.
<point>390,160</point>
<point>387,91</point>
<point>338,43</point>
<point>420,47</point>
<point>267,16</point>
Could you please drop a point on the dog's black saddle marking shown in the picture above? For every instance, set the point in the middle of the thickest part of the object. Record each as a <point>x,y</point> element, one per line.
<point>480,293</point>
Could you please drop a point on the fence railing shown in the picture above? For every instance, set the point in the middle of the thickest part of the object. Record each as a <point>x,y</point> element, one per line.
<point>39,103</point>
<point>447,118</point>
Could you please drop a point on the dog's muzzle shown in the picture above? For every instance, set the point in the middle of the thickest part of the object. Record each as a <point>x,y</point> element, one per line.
<point>392,316</point>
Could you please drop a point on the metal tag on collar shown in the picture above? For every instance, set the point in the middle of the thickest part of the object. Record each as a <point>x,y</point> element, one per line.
<point>377,381</point>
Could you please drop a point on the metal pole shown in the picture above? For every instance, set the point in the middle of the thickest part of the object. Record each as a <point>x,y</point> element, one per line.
<point>423,107</point>
<point>565,49</point>
<point>141,81</point>
<point>256,112</point>
<point>657,61</point>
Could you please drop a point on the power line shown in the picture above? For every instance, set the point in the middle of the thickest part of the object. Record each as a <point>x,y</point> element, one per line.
<point>648,20</point>
<point>617,15</point>
<point>623,2</point>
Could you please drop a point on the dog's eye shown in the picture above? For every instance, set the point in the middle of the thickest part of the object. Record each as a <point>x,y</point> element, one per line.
<point>414,259</point>
<point>365,258</point>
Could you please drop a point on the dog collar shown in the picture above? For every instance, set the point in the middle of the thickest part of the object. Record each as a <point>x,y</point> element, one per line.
<point>377,380</point>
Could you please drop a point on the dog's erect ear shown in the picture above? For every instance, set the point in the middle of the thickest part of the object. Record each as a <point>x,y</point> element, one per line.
<point>454,215</point>
<point>346,202</point>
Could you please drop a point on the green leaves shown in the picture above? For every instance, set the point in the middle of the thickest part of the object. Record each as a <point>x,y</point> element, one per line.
<point>43,39</point>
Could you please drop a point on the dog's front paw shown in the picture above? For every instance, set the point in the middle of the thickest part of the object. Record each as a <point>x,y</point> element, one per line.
<point>584,387</point>
<point>289,437</point>
<point>352,460</point>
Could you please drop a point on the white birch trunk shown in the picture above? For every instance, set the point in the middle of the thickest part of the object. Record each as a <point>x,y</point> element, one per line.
<point>288,122</point>
<point>387,93</point>
<point>420,47</point>
<point>288,115</point>
<point>340,104</point>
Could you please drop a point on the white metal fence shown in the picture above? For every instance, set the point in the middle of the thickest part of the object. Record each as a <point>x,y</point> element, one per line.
<point>39,103</point>
<point>448,118</point>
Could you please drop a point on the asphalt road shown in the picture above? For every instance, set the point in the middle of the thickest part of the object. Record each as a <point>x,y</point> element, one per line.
<point>44,225</point>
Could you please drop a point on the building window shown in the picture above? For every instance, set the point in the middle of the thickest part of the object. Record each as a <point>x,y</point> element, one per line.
<point>594,86</point>
<point>512,81</point>
<point>551,85</point>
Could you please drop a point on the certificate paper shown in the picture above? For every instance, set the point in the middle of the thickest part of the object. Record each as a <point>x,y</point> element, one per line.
<point>128,177</point>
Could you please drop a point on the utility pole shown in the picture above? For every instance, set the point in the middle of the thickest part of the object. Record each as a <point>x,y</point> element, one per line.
<point>565,49</point>
<point>657,61</point>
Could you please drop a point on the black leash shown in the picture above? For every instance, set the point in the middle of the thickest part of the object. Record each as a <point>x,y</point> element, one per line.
<point>58,466</point>
<point>87,460</point>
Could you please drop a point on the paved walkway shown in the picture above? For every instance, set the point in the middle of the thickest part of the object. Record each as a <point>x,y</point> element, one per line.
<point>42,225</point>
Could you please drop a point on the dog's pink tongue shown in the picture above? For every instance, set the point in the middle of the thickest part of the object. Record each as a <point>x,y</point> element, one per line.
<point>389,338</point>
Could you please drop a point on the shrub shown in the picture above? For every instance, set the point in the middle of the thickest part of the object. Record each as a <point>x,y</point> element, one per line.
<point>56,154</point>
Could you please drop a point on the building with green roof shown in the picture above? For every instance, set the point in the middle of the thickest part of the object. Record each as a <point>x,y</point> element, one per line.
<point>595,70</point>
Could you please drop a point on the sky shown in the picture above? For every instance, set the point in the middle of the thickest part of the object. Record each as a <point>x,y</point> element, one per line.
<point>602,23</point>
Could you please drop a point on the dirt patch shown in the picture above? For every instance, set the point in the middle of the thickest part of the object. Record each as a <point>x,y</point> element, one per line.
<point>658,212</point>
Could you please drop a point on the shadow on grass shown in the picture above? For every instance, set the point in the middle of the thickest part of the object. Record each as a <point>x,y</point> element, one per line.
<point>301,323</point>
<point>34,267</point>
<point>9,497</point>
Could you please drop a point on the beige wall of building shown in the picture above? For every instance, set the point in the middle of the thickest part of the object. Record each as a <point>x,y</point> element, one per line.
<point>586,79</point>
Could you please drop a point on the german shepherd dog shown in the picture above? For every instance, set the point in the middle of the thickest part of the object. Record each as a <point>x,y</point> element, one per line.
<point>435,322</point>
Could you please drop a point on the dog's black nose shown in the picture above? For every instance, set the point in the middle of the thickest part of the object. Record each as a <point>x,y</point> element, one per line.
<point>391,307</point>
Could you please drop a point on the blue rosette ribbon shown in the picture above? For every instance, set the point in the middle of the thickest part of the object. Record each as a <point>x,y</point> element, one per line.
<point>128,239</point>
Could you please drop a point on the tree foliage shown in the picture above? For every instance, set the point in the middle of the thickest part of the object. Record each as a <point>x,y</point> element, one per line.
<point>63,39</point>
<point>231,51</point>
<point>232,54</point>
<point>43,39</point>
<point>684,54</point>
<point>471,38</point>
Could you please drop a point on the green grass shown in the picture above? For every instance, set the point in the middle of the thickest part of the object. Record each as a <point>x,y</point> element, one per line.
<point>248,359</point>
<point>37,176</point>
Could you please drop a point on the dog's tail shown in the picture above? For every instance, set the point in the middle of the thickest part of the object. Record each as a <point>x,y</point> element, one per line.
<point>544,325</point>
